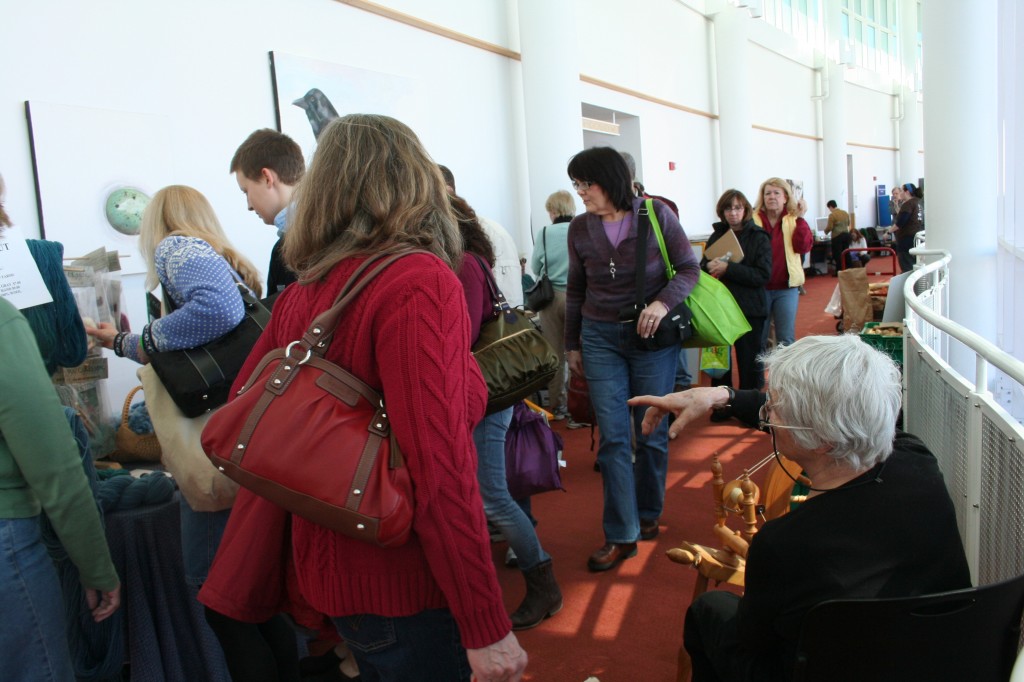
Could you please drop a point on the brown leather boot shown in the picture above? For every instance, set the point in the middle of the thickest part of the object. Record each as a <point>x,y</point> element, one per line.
<point>543,597</point>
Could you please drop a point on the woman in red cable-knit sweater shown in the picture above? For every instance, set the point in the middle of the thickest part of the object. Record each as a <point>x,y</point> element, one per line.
<point>403,611</point>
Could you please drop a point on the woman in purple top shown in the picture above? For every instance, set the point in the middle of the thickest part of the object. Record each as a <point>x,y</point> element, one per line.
<point>601,347</point>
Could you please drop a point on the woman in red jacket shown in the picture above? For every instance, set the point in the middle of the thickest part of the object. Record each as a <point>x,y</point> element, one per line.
<point>430,609</point>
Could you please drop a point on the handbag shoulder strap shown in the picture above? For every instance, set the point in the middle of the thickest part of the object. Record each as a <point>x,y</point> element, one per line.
<point>544,245</point>
<point>321,329</point>
<point>648,216</point>
<point>670,271</point>
<point>497,298</point>
<point>644,215</point>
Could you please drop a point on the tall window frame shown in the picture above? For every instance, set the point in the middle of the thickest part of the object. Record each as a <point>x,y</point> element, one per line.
<point>872,28</point>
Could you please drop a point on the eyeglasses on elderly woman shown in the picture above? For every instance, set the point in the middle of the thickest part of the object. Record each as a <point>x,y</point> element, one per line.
<point>763,421</point>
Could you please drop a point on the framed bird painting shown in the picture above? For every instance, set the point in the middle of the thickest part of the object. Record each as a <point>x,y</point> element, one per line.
<point>310,93</point>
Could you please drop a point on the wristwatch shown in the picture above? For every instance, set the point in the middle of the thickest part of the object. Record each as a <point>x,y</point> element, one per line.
<point>732,396</point>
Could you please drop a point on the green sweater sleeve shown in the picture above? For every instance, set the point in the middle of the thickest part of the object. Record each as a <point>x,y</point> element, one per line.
<point>40,466</point>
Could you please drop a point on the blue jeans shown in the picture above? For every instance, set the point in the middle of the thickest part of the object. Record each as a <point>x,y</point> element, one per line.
<point>782,305</point>
<point>501,510</point>
<point>683,376</point>
<point>424,647</point>
<point>200,537</point>
<point>33,638</point>
<point>616,371</point>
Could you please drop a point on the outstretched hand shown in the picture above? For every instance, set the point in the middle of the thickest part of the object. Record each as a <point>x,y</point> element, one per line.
<point>104,333</point>
<point>685,405</point>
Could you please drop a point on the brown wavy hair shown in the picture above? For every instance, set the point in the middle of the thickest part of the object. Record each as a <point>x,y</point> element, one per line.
<point>371,187</point>
<point>725,201</point>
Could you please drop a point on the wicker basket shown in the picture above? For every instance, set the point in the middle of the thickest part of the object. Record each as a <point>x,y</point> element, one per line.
<point>131,446</point>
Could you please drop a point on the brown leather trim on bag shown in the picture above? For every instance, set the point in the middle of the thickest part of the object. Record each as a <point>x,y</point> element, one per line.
<point>322,513</point>
<point>250,426</point>
<point>339,388</point>
<point>366,461</point>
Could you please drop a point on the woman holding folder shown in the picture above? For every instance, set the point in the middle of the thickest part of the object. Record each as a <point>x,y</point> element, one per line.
<point>740,254</point>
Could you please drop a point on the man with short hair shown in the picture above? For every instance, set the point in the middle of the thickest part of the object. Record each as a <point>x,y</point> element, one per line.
<point>838,226</point>
<point>267,167</point>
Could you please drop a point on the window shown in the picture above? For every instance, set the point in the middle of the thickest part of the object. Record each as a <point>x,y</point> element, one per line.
<point>871,26</point>
<point>799,18</point>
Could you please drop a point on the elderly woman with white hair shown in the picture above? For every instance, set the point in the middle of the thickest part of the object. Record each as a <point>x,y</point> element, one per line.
<point>878,521</point>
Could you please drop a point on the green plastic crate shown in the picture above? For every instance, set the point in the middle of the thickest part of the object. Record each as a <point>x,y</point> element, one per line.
<point>890,345</point>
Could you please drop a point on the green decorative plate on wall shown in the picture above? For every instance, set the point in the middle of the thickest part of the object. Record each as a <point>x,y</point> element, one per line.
<point>124,209</point>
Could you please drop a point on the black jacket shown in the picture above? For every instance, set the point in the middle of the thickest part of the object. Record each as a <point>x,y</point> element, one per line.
<point>746,279</point>
<point>279,276</point>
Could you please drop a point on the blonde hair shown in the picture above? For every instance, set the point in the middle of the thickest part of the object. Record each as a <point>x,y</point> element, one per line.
<point>178,210</point>
<point>560,203</point>
<point>370,187</point>
<point>791,207</point>
<point>5,220</point>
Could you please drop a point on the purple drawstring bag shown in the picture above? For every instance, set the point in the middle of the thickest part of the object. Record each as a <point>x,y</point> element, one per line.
<point>531,454</point>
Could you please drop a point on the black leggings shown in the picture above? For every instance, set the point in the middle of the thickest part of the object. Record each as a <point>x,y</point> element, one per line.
<point>257,652</point>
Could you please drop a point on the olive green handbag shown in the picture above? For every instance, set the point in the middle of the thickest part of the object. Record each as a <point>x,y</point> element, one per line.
<point>514,357</point>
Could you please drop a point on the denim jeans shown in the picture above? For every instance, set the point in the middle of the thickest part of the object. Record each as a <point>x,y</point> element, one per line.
<point>615,371</point>
<point>200,537</point>
<point>782,305</point>
<point>684,377</point>
<point>501,510</point>
<point>424,647</point>
<point>33,639</point>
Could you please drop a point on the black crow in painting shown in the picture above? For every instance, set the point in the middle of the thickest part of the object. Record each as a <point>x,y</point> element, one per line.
<point>318,108</point>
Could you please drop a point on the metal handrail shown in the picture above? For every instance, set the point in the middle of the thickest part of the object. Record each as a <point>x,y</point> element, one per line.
<point>986,350</point>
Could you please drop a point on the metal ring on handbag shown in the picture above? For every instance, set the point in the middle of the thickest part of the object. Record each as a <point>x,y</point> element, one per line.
<point>288,352</point>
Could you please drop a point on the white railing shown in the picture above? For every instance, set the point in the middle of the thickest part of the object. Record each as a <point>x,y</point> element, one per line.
<point>976,441</point>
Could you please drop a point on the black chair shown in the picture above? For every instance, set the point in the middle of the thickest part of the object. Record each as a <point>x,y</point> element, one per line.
<point>970,634</point>
<point>871,236</point>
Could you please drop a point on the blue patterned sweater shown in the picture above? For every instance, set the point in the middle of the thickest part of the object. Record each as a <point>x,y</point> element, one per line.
<point>202,288</point>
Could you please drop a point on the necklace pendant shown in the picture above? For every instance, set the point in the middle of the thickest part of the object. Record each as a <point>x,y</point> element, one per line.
<point>611,267</point>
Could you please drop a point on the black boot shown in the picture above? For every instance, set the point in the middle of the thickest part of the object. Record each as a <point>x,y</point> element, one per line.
<point>543,598</point>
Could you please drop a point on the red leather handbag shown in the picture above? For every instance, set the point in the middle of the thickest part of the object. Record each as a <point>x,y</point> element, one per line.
<point>315,440</point>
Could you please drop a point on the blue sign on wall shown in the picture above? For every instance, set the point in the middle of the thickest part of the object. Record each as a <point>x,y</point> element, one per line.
<point>882,206</point>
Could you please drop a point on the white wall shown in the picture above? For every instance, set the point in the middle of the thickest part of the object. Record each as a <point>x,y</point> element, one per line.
<point>204,66</point>
<point>867,128</point>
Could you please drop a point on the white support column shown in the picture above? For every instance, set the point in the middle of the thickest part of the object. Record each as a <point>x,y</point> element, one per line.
<point>734,102</point>
<point>911,165</point>
<point>833,116</point>
<point>833,123</point>
<point>551,101</point>
<point>960,134</point>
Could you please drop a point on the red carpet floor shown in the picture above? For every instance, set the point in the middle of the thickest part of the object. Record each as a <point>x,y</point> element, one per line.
<point>626,624</point>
